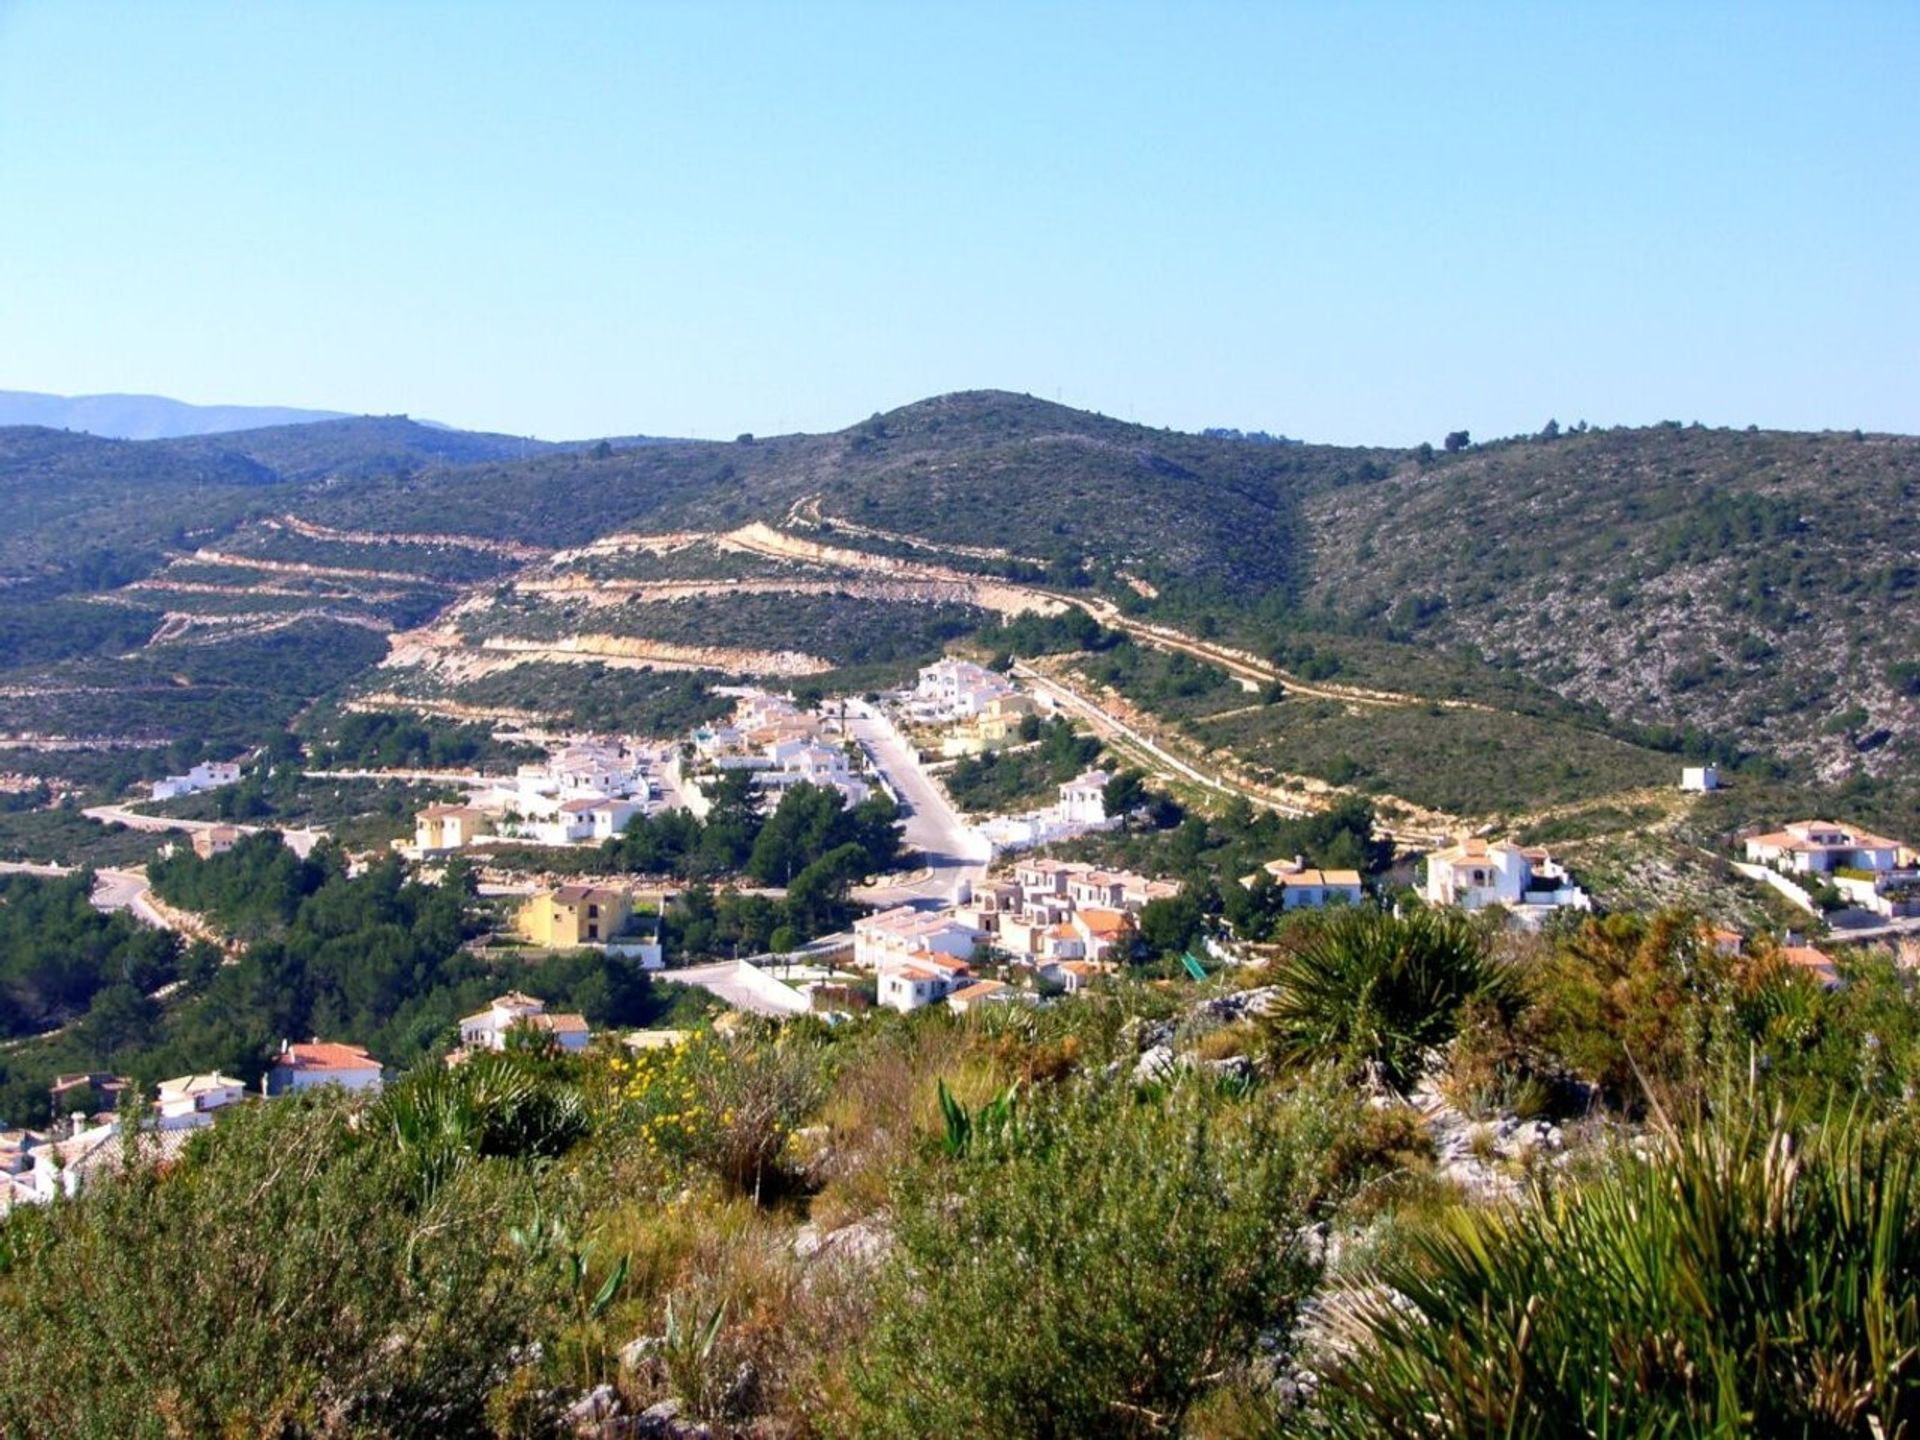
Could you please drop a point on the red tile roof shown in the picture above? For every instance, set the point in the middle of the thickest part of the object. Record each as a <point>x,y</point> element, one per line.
<point>325,1055</point>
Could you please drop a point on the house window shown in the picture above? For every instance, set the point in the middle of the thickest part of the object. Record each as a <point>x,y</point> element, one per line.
<point>593,932</point>
<point>593,912</point>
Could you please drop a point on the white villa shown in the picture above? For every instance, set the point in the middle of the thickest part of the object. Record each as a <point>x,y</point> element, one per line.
<point>489,1029</point>
<point>1305,887</point>
<point>1083,799</point>
<point>583,820</point>
<point>1476,873</point>
<point>922,979</point>
<point>188,1101</point>
<point>895,936</point>
<point>1819,847</point>
<point>318,1063</point>
<point>1701,778</point>
<point>919,956</point>
<point>1871,871</point>
<point>207,775</point>
<point>955,690</point>
<point>1082,806</point>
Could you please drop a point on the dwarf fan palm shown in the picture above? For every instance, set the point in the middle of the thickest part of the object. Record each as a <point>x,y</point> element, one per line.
<point>1381,992</point>
<point>1736,1279</point>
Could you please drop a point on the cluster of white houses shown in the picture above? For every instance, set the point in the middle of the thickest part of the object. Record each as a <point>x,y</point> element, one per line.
<point>1057,921</point>
<point>955,690</point>
<point>585,792</point>
<point>783,746</point>
<point>36,1167</point>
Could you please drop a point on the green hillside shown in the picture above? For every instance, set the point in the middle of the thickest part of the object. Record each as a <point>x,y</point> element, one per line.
<point>367,445</point>
<point>1761,586</point>
<point>982,468</point>
<point>1749,594</point>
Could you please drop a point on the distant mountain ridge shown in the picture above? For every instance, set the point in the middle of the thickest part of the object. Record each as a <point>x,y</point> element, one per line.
<point>145,417</point>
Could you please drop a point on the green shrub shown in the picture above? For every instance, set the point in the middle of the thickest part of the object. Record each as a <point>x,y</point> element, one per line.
<point>1625,1001</point>
<point>272,1283</point>
<point>1380,993</point>
<point>1089,1269</point>
<point>1739,1279</point>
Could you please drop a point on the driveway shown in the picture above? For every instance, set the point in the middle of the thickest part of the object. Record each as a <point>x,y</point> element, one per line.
<point>742,986</point>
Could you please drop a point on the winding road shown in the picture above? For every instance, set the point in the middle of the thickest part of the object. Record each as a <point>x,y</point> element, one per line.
<point>112,890</point>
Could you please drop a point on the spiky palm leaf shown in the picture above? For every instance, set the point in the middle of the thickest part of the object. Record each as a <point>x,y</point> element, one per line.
<point>1381,992</point>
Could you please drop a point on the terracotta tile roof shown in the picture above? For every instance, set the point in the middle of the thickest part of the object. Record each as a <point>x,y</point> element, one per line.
<point>579,894</point>
<point>934,960</point>
<point>920,972</point>
<point>1816,963</point>
<point>325,1055</point>
<point>1105,923</point>
<point>979,990</point>
<point>1852,838</point>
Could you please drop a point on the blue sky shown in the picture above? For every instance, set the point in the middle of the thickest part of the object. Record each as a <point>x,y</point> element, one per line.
<point>1355,222</point>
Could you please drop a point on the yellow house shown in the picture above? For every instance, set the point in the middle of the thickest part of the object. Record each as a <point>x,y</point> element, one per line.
<point>998,723</point>
<point>448,827</point>
<point>575,915</point>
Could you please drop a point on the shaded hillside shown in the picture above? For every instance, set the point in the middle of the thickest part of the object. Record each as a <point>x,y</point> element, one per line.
<point>365,446</point>
<point>1762,586</point>
<point>1062,486</point>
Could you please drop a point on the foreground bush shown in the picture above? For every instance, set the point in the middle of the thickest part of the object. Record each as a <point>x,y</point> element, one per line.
<point>1738,1279</point>
<point>1380,993</point>
<point>1085,1268</point>
<point>278,1282</point>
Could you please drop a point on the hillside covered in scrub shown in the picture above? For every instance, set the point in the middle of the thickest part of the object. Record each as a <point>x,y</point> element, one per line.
<point>1749,595</point>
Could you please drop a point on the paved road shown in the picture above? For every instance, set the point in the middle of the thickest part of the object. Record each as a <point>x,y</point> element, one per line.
<point>112,890</point>
<point>301,842</point>
<point>127,890</point>
<point>439,777</point>
<point>953,854</point>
